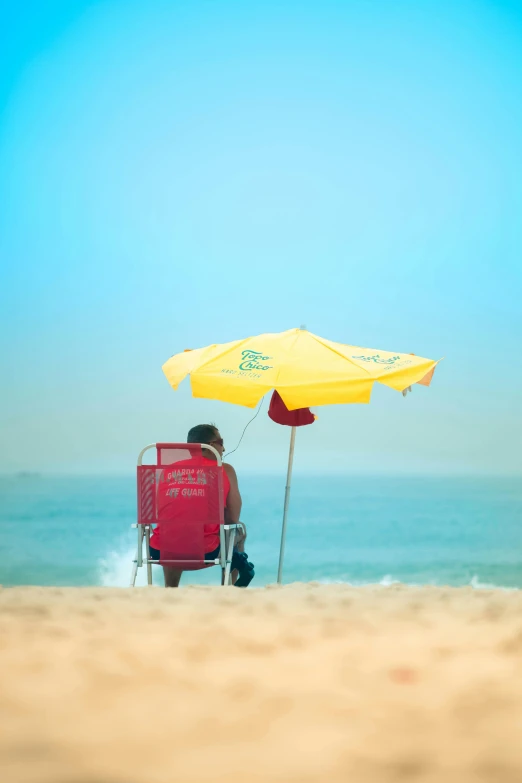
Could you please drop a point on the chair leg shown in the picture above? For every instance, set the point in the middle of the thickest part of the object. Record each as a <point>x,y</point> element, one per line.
<point>147,549</point>
<point>139,557</point>
<point>134,571</point>
<point>230,551</point>
<point>140,546</point>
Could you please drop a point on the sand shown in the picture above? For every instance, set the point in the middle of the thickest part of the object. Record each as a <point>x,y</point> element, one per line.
<point>300,683</point>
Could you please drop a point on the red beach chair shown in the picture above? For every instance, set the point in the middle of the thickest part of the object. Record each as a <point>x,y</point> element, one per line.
<point>183,493</point>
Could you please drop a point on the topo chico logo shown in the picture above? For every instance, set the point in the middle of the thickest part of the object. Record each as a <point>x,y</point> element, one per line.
<point>254,360</point>
<point>376,358</point>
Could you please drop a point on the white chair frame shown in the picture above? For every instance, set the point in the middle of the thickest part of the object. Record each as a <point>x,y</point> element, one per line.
<point>227,538</point>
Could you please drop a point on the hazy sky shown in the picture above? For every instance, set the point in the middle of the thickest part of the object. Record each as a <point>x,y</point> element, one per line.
<point>174,174</point>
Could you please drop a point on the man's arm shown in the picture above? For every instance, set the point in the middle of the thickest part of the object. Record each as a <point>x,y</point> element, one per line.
<point>233,507</point>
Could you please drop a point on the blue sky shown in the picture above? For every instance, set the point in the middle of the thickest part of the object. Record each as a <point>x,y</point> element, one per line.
<point>177,174</point>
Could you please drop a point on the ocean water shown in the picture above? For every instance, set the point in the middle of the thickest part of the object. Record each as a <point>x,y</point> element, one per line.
<point>360,530</point>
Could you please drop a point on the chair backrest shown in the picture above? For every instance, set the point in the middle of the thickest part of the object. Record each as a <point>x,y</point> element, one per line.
<point>183,494</point>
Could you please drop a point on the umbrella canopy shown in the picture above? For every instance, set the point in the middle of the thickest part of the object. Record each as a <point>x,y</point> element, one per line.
<point>305,369</point>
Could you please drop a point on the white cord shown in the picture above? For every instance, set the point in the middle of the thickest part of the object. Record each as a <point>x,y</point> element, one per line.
<point>247,425</point>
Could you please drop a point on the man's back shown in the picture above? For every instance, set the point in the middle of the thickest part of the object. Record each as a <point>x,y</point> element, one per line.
<point>188,493</point>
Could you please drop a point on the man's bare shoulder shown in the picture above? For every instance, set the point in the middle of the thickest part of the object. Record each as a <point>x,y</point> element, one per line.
<point>229,469</point>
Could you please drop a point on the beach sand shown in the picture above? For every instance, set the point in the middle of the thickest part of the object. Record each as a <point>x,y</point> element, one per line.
<point>301,683</point>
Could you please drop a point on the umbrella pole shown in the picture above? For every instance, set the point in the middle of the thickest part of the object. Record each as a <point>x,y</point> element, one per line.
<point>287,500</point>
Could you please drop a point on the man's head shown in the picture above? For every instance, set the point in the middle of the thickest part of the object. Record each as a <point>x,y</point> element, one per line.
<point>206,433</point>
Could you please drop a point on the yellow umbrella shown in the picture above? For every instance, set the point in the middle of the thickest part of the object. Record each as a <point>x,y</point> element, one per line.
<point>305,369</point>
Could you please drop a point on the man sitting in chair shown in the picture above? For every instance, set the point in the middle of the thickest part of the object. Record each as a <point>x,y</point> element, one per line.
<point>242,569</point>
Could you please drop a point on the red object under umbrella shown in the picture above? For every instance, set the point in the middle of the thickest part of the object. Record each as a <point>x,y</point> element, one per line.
<point>279,413</point>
